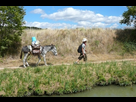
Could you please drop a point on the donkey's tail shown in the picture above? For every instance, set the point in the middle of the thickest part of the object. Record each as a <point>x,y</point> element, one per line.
<point>21,55</point>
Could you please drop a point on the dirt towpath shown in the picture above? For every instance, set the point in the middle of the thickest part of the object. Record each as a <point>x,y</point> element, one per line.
<point>15,67</point>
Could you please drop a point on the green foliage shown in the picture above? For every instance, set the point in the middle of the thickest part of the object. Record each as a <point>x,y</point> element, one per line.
<point>129,46</point>
<point>129,16</point>
<point>27,27</point>
<point>37,70</point>
<point>97,43</point>
<point>38,92</point>
<point>125,41</point>
<point>11,21</point>
<point>21,92</point>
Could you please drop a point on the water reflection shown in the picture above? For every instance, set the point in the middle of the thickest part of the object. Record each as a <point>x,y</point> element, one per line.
<point>104,91</point>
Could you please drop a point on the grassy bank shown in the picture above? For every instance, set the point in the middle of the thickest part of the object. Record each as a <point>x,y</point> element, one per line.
<point>63,79</point>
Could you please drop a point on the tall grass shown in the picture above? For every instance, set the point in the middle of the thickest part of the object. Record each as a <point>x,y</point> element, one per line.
<point>100,41</point>
<point>67,40</point>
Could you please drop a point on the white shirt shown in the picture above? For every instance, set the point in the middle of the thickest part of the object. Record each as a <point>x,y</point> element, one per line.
<point>83,46</point>
<point>33,43</point>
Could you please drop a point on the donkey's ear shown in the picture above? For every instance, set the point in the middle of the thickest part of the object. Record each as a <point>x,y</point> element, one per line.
<point>52,46</point>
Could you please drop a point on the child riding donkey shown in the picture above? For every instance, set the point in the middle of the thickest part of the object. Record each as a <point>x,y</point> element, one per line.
<point>35,48</point>
<point>38,50</point>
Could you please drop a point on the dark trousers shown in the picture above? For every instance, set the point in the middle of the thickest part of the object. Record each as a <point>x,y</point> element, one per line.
<point>81,56</point>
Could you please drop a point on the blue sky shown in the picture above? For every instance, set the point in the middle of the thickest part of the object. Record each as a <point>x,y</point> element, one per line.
<point>74,16</point>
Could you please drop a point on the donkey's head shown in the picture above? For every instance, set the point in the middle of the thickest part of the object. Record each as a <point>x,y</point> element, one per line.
<point>54,50</point>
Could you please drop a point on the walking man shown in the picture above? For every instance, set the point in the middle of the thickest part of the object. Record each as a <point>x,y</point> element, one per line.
<point>82,51</point>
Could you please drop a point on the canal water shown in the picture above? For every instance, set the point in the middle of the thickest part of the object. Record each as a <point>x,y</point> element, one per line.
<point>104,91</point>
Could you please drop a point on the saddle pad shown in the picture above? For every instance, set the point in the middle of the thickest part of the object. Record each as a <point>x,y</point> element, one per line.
<point>36,51</point>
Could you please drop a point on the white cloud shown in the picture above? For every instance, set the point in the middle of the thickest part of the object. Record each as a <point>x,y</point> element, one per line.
<point>83,18</point>
<point>89,24</point>
<point>85,23</point>
<point>48,25</point>
<point>100,24</point>
<point>112,19</point>
<point>77,15</point>
<point>115,25</point>
<point>81,24</point>
<point>71,14</point>
<point>38,11</point>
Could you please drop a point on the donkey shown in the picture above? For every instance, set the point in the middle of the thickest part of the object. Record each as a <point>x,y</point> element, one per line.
<point>44,49</point>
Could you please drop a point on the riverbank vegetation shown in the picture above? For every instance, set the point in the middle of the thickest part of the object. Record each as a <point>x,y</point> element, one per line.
<point>64,79</point>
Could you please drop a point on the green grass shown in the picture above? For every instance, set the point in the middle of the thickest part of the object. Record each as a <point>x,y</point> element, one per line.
<point>64,79</point>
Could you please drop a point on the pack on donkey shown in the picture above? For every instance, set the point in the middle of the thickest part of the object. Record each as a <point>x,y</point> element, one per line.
<point>37,50</point>
<point>36,47</point>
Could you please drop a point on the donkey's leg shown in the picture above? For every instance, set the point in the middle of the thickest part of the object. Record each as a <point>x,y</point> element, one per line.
<point>24,60</point>
<point>39,59</point>
<point>44,60</point>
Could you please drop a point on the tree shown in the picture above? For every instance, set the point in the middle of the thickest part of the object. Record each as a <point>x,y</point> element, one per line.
<point>129,16</point>
<point>11,21</point>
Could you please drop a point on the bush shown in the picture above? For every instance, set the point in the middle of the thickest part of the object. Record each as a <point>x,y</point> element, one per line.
<point>129,46</point>
<point>12,17</point>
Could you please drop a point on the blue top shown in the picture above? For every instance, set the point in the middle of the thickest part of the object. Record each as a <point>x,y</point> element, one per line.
<point>33,39</point>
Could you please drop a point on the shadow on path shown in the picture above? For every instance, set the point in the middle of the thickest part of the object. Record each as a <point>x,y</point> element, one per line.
<point>34,64</point>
